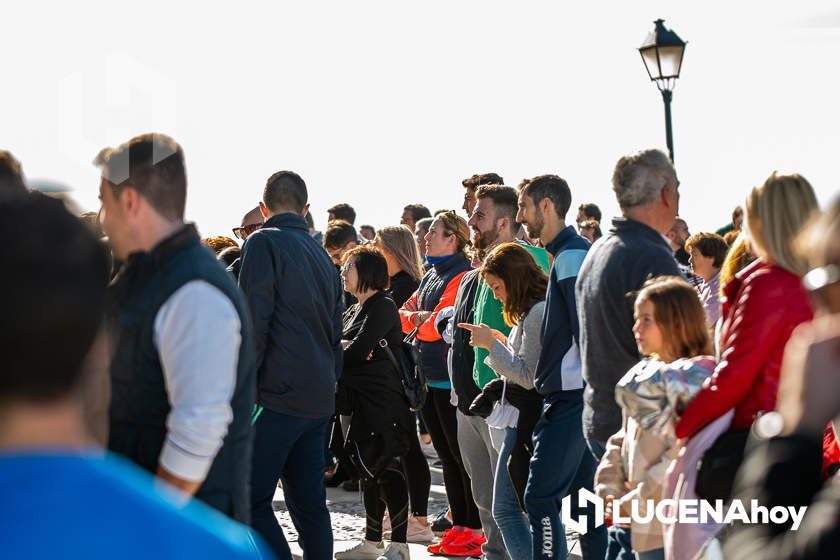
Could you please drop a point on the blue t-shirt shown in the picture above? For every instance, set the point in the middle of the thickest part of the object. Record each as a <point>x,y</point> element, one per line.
<point>65,505</point>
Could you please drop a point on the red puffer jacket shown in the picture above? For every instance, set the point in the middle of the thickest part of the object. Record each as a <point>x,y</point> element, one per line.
<point>762,305</point>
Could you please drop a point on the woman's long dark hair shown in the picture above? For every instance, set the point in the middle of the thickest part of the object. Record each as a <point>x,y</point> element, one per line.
<point>525,282</point>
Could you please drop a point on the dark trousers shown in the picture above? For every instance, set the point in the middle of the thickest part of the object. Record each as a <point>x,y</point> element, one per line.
<point>561,465</point>
<point>291,450</point>
<point>442,424</point>
<point>418,476</point>
<point>390,491</point>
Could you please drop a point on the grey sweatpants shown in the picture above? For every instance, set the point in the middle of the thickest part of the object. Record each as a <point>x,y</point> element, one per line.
<point>480,463</point>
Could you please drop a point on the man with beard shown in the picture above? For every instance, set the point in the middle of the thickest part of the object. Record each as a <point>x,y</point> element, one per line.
<point>493,222</point>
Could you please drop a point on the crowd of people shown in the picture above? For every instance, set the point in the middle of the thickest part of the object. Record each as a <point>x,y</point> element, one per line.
<point>540,357</point>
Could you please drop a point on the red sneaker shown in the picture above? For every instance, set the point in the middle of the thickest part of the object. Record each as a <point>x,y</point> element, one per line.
<point>448,536</point>
<point>468,543</point>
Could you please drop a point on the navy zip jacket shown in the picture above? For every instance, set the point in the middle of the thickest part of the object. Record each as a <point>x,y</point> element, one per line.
<point>559,367</point>
<point>296,300</point>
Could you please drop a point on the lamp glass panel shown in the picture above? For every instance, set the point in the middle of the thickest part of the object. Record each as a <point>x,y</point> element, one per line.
<point>670,59</point>
<point>649,57</point>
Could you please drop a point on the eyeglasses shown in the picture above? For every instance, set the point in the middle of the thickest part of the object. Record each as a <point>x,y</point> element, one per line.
<point>244,231</point>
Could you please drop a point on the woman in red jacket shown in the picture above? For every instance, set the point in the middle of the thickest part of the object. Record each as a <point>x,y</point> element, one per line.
<point>762,305</point>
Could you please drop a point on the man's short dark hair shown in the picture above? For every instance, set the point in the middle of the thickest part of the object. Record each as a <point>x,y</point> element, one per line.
<point>484,179</point>
<point>553,188</point>
<point>371,268</point>
<point>504,199</point>
<point>339,233</point>
<point>11,176</point>
<point>591,211</point>
<point>285,190</point>
<point>344,212</point>
<point>418,212</point>
<point>54,279</point>
<point>153,165</point>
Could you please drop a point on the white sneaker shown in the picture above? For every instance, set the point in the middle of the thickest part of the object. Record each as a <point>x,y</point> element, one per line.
<point>418,532</point>
<point>365,550</point>
<point>396,551</point>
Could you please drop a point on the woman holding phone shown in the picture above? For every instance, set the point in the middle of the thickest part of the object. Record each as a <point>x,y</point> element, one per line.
<point>520,284</point>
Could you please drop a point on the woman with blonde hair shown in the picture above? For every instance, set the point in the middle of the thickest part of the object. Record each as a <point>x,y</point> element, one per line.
<point>405,268</point>
<point>763,304</point>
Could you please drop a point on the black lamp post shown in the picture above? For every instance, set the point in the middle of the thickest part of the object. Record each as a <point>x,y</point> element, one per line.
<point>662,52</point>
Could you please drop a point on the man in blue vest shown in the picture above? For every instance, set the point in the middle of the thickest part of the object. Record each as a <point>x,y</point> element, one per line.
<point>296,299</point>
<point>62,497</point>
<point>182,366</point>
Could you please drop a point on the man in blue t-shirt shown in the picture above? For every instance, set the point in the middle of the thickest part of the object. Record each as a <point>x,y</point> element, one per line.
<point>61,496</point>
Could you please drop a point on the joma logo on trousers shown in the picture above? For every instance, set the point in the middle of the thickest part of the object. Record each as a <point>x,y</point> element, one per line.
<point>547,537</point>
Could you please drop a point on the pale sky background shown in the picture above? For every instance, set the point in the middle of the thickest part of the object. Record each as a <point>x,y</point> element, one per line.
<point>384,103</point>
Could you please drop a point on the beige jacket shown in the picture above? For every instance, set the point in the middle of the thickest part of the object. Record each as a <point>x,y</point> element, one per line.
<point>633,469</point>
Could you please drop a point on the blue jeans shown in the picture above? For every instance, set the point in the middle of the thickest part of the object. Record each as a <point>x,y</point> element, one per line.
<point>512,522</point>
<point>561,465</point>
<point>291,449</point>
<point>619,546</point>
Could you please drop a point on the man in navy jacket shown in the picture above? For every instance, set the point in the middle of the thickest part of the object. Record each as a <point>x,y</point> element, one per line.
<point>561,464</point>
<point>295,298</point>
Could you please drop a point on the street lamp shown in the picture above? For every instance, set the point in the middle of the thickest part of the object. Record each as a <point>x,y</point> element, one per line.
<point>662,52</point>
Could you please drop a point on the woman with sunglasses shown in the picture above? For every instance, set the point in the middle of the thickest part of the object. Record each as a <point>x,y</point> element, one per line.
<point>446,245</point>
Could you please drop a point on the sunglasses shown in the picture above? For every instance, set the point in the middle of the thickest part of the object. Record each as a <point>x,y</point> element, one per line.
<point>244,231</point>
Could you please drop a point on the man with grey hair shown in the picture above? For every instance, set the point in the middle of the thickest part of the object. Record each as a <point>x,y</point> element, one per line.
<point>634,250</point>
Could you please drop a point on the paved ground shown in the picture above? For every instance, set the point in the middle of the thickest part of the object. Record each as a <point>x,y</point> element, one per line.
<point>348,519</point>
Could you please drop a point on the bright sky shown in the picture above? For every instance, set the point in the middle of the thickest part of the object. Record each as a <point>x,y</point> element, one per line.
<point>382,103</point>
